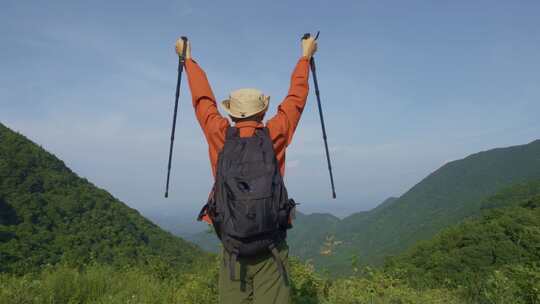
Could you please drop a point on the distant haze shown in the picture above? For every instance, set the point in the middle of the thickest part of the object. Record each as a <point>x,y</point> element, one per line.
<point>406,87</point>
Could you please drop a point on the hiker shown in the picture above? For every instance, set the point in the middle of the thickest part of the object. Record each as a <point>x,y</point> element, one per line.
<point>249,206</point>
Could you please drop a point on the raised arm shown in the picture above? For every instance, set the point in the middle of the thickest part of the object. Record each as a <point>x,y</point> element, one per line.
<point>204,102</point>
<point>283,125</point>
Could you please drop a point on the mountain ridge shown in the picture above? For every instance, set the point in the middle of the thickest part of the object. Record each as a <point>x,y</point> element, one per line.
<point>502,241</point>
<point>50,215</point>
<point>446,196</point>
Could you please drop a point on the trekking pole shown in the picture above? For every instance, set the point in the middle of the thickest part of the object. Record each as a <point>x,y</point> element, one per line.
<point>313,71</point>
<point>181,60</point>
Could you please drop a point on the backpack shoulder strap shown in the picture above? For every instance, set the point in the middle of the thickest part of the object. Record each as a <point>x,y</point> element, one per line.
<point>232,132</point>
<point>263,132</point>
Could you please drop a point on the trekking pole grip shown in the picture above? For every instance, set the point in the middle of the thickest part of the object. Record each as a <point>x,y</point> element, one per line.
<point>184,47</point>
<point>307,35</point>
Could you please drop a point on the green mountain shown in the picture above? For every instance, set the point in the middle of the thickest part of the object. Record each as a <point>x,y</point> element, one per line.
<point>49,215</point>
<point>316,229</point>
<point>503,245</point>
<point>494,258</point>
<point>445,197</point>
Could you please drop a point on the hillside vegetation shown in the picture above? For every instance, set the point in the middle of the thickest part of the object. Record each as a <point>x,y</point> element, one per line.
<point>62,240</point>
<point>502,245</point>
<point>492,259</point>
<point>50,215</point>
<point>107,285</point>
<point>444,198</point>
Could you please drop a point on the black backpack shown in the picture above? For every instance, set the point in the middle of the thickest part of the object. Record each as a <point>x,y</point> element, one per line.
<point>249,206</point>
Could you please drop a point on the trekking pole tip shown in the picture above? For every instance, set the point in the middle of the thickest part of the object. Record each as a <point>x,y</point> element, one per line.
<point>166,194</point>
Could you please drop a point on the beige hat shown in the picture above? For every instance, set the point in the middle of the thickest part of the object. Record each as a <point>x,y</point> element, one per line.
<point>245,103</point>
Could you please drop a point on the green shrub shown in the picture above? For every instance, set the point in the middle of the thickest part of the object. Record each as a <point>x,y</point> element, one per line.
<point>95,284</point>
<point>99,284</point>
<point>380,288</point>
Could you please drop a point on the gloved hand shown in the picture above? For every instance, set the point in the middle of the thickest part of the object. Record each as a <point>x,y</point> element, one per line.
<point>309,47</point>
<point>180,46</point>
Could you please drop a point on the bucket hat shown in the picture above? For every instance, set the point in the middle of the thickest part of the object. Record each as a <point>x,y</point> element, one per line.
<point>244,103</point>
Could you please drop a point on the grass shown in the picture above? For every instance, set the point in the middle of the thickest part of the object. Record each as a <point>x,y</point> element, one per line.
<point>98,284</point>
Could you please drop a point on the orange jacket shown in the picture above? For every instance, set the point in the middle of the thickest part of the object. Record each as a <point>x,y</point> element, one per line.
<point>281,126</point>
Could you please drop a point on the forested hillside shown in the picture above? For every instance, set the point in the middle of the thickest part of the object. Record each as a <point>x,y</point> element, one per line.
<point>65,241</point>
<point>49,215</point>
<point>445,197</point>
<point>494,258</point>
<point>502,245</point>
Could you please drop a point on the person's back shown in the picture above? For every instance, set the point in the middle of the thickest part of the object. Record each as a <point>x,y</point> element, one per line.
<point>259,278</point>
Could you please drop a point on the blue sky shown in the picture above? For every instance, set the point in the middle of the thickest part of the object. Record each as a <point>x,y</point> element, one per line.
<point>406,87</point>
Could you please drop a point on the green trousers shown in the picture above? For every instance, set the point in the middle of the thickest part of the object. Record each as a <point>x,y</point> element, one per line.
<point>257,280</point>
